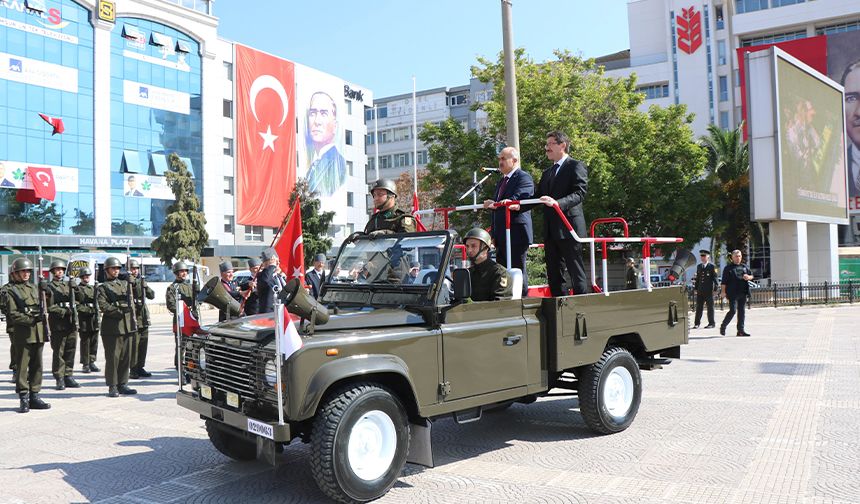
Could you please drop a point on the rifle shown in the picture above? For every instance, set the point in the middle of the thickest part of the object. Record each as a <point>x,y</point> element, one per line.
<point>129,294</point>
<point>72,307</point>
<point>43,301</point>
<point>97,316</point>
<point>195,289</point>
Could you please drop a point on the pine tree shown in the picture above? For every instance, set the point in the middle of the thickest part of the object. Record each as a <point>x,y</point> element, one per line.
<point>315,224</point>
<point>183,234</point>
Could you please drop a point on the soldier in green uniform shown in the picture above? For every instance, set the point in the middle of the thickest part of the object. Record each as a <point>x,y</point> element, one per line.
<point>490,280</point>
<point>88,320</point>
<point>117,329</point>
<point>388,219</point>
<point>28,335</point>
<point>64,332</point>
<point>186,295</point>
<point>141,339</point>
<point>4,309</point>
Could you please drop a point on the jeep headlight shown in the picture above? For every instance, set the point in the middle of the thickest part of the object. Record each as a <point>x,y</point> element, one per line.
<point>201,359</point>
<point>271,373</point>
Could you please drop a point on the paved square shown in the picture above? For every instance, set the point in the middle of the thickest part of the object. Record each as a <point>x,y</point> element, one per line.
<point>774,418</point>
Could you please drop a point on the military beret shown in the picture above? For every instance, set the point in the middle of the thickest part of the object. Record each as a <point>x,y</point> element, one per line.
<point>225,266</point>
<point>704,252</point>
<point>268,254</point>
<point>253,262</point>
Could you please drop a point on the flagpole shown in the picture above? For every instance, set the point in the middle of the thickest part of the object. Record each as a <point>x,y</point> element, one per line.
<point>376,140</point>
<point>180,307</point>
<point>414,141</point>
<point>279,331</point>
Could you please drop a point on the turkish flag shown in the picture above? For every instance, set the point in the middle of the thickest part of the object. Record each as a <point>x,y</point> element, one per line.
<point>265,137</point>
<point>290,246</point>
<point>27,196</point>
<point>187,323</point>
<point>43,182</point>
<point>289,335</point>
<point>56,122</point>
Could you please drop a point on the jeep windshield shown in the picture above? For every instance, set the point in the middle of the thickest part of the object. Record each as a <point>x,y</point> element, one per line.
<point>388,270</point>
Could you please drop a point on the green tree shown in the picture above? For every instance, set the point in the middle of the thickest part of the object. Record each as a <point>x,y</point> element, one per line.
<point>17,217</point>
<point>728,176</point>
<point>454,155</point>
<point>86,223</point>
<point>315,224</point>
<point>183,234</point>
<point>644,166</point>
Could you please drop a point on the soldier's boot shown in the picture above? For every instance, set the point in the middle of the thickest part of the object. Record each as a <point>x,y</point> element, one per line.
<point>133,374</point>
<point>124,390</point>
<point>86,368</point>
<point>25,402</point>
<point>94,368</point>
<point>143,373</point>
<point>36,402</point>
<point>71,382</point>
<point>112,392</point>
<point>61,384</point>
<point>14,376</point>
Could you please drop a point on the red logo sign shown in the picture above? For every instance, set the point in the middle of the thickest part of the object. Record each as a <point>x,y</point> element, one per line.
<point>265,137</point>
<point>689,30</point>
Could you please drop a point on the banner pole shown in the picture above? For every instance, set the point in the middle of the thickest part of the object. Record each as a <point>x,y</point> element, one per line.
<point>279,330</point>
<point>179,319</point>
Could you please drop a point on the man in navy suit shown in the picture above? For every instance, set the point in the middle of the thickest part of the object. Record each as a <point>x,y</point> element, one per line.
<point>565,183</point>
<point>516,184</point>
<point>316,276</point>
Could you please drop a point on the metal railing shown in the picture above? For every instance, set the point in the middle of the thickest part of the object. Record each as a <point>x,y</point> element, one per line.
<point>799,294</point>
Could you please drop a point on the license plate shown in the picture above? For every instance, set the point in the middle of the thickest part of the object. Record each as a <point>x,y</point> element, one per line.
<point>233,399</point>
<point>261,429</point>
<point>206,391</point>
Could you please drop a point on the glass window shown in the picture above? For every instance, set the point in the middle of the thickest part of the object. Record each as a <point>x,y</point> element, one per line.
<point>349,199</point>
<point>130,161</point>
<point>348,137</point>
<point>724,120</point>
<point>348,107</point>
<point>721,52</point>
<point>228,69</point>
<point>228,108</point>
<point>159,164</point>
<point>228,185</point>
<point>228,146</point>
<point>349,170</point>
<point>724,88</point>
<point>254,233</point>
<point>228,224</point>
<point>742,6</point>
<point>718,14</point>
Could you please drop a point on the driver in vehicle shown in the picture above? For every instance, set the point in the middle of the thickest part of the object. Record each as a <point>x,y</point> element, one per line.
<point>387,218</point>
<point>490,280</point>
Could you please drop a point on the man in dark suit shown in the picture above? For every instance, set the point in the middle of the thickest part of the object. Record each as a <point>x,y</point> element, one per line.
<point>564,183</point>
<point>516,184</point>
<point>316,276</point>
<point>705,284</point>
<point>269,277</point>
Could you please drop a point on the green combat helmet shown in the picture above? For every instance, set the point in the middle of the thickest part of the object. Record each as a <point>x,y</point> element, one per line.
<point>57,263</point>
<point>179,266</point>
<point>112,262</point>
<point>478,234</point>
<point>21,264</point>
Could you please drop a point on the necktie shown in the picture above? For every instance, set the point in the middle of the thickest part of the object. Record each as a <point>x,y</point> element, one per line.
<point>502,188</point>
<point>551,176</point>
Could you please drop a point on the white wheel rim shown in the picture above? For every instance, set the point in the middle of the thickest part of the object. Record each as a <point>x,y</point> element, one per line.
<point>618,392</point>
<point>372,445</point>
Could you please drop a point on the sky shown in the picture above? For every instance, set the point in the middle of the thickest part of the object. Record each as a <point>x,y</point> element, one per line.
<point>381,44</point>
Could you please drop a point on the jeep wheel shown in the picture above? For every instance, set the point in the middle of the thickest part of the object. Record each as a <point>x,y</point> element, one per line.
<point>230,441</point>
<point>610,391</point>
<point>359,443</point>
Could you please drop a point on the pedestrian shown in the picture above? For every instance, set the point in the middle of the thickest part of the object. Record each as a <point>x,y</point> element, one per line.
<point>704,285</point>
<point>490,280</point>
<point>631,276</point>
<point>186,295</point>
<point>249,287</point>
<point>387,218</point>
<point>316,276</point>
<point>516,184</point>
<point>140,342</point>
<point>269,279</point>
<point>226,270</point>
<point>116,328</point>
<point>88,320</point>
<point>64,332</point>
<point>565,184</point>
<point>28,334</point>
<point>734,287</point>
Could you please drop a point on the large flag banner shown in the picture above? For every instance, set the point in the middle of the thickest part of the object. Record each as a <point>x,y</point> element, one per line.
<point>42,179</point>
<point>265,137</point>
<point>290,246</point>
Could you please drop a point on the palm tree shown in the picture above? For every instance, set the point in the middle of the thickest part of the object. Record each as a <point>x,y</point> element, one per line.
<point>728,169</point>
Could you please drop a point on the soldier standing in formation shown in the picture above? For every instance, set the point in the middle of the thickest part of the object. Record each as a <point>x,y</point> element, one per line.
<point>64,332</point>
<point>4,309</point>
<point>705,284</point>
<point>186,294</point>
<point>140,342</point>
<point>88,321</point>
<point>490,280</point>
<point>117,329</point>
<point>388,219</point>
<point>28,334</point>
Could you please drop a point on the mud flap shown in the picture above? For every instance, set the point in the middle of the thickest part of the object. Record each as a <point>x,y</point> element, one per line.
<point>267,451</point>
<point>420,449</point>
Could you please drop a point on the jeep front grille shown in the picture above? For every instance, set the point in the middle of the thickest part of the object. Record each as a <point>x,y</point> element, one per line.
<point>231,368</point>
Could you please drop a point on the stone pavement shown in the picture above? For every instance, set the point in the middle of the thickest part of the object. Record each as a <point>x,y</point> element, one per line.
<point>774,418</point>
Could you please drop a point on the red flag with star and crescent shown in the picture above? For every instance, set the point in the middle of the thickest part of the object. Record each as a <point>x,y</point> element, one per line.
<point>42,180</point>
<point>265,137</point>
<point>290,246</point>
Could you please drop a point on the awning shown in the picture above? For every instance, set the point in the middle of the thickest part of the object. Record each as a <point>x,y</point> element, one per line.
<point>158,162</point>
<point>159,39</point>
<point>183,46</point>
<point>130,161</point>
<point>133,33</point>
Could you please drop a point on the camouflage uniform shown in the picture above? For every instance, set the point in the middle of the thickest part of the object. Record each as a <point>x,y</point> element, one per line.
<point>393,220</point>
<point>490,281</point>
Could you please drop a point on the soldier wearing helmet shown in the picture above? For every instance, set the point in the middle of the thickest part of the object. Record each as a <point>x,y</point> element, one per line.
<point>28,334</point>
<point>181,286</point>
<point>117,328</point>
<point>88,320</point>
<point>140,292</point>
<point>387,218</point>
<point>490,280</point>
<point>64,332</point>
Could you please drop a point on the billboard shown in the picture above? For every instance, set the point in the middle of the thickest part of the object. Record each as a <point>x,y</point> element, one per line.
<point>265,137</point>
<point>797,146</point>
<point>843,66</point>
<point>320,103</point>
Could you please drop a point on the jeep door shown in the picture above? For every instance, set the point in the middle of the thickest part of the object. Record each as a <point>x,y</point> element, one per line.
<point>484,348</point>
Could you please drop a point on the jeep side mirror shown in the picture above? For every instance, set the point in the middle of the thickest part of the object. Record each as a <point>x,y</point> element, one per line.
<point>462,284</point>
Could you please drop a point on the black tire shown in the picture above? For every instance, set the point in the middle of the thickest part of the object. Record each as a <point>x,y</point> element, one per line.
<point>334,424</point>
<point>617,367</point>
<point>230,441</point>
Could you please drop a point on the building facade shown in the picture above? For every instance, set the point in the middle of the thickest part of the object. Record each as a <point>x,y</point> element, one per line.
<point>134,81</point>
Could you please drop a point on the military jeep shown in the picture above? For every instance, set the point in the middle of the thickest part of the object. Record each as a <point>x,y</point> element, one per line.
<point>365,386</point>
